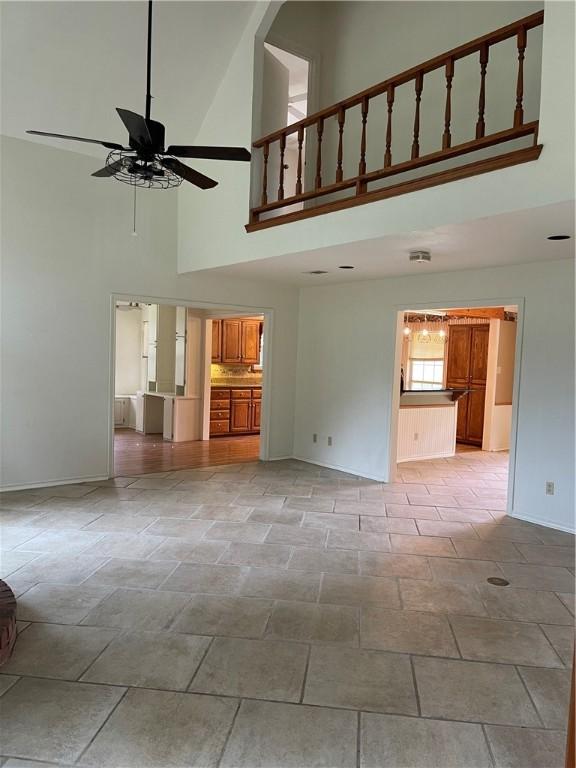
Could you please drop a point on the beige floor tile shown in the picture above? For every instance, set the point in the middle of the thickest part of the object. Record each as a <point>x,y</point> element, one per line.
<point>59,569</point>
<point>254,533</point>
<point>360,679</point>
<point>137,609</point>
<point>190,550</point>
<point>406,632</point>
<point>465,571</point>
<point>388,525</point>
<point>159,728</point>
<point>459,515</point>
<point>559,538</point>
<point>56,540</point>
<point>314,504</point>
<point>265,555</point>
<point>345,589</point>
<point>334,561</point>
<point>448,529</point>
<point>526,747</point>
<point>569,600</point>
<point>295,536</point>
<point>6,682</point>
<point>507,642</point>
<point>432,499</point>
<point>130,573</point>
<point>420,512</point>
<point>230,616</point>
<point>222,513</point>
<point>543,577</point>
<point>378,542</point>
<point>441,597</point>
<point>59,604</point>
<point>422,545</point>
<point>541,554</point>
<point>254,669</point>
<point>136,545</point>
<point>52,650</point>
<point>149,660</point>
<point>304,622</point>
<point>13,536</point>
<point>393,741</point>
<point>377,564</point>
<point>54,720</point>
<point>71,519</point>
<point>13,560</point>
<point>112,523</point>
<point>376,509</point>
<point>550,691</point>
<point>524,605</point>
<point>291,736</point>
<point>562,640</point>
<point>466,690</point>
<point>506,532</point>
<point>281,584</point>
<point>259,501</point>
<point>186,529</point>
<point>330,520</point>
<point>277,516</point>
<point>209,579</point>
<point>497,551</point>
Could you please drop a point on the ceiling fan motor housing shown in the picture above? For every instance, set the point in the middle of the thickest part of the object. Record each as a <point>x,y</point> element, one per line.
<point>420,257</point>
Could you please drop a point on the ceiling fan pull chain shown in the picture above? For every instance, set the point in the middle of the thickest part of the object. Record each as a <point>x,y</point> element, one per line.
<point>134,233</point>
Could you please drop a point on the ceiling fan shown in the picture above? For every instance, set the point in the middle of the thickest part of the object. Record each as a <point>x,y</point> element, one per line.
<point>145,162</point>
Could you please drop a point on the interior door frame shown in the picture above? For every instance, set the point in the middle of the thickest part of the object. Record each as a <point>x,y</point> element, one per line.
<point>241,310</point>
<point>394,400</point>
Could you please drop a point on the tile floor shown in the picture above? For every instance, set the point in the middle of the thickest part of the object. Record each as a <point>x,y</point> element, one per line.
<point>286,616</point>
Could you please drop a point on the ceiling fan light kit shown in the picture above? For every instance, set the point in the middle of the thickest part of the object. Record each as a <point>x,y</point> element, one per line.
<point>145,162</point>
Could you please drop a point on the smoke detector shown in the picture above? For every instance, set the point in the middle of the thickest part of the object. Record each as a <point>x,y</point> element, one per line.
<point>420,257</point>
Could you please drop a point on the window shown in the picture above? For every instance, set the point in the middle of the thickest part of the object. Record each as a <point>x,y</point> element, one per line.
<point>426,374</point>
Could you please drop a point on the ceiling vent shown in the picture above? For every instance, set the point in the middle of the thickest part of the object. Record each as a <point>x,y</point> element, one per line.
<point>420,257</point>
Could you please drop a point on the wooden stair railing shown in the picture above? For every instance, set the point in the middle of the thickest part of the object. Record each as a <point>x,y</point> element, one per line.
<point>321,186</point>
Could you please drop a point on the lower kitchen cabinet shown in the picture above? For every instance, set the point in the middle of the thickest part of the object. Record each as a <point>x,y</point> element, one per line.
<point>235,411</point>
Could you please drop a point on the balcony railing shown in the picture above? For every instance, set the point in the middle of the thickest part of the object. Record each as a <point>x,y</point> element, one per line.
<point>278,205</point>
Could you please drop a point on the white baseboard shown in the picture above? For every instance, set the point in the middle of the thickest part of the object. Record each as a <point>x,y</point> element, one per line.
<point>279,458</point>
<point>52,483</point>
<point>543,522</point>
<point>340,468</point>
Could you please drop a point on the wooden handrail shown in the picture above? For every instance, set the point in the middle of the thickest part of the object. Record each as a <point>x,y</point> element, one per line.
<point>320,186</point>
<point>504,33</point>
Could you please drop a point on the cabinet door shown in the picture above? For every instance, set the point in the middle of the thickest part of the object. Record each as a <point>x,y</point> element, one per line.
<point>462,417</point>
<point>216,341</point>
<point>475,426</point>
<point>250,341</point>
<point>240,416</point>
<point>119,412</point>
<point>231,341</point>
<point>458,353</point>
<point>479,353</point>
<point>256,411</point>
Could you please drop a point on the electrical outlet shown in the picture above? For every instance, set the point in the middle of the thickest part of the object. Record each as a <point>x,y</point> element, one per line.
<point>314,438</point>
<point>329,441</point>
<point>549,488</point>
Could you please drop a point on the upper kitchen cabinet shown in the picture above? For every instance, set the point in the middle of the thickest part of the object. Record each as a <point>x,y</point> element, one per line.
<point>236,341</point>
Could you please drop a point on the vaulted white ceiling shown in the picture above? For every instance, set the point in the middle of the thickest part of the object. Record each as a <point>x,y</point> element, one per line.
<point>65,66</point>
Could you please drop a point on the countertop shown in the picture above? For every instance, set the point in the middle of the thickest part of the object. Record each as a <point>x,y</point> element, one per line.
<point>235,383</point>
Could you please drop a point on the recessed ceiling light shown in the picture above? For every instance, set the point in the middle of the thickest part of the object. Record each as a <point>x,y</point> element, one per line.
<point>316,272</point>
<point>420,257</point>
<point>346,266</point>
<point>558,237</point>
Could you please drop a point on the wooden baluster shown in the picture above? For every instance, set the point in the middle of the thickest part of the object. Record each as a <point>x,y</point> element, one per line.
<point>299,168</point>
<point>362,163</point>
<point>418,85</point>
<point>266,151</point>
<point>519,111</point>
<point>281,173</point>
<point>341,119</point>
<point>481,125</point>
<point>320,131</point>
<point>447,136</point>
<point>390,103</point>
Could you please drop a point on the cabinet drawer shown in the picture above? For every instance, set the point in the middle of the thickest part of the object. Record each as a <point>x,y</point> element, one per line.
<point>219,394</point>
<point>257,394</point>
<point>241,394</point>
<point>219,427</point>
<point>216,405</point>
<point>219,415</point>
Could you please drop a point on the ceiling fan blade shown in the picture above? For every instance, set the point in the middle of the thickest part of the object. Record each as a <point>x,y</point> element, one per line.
<point>109,170</point>
<point>194,177</point>
<point>107,144</point>
<point>136,127</point>
<point>210,153</point>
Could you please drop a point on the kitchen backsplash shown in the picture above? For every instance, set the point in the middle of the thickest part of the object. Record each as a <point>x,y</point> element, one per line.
<point>220,372</point>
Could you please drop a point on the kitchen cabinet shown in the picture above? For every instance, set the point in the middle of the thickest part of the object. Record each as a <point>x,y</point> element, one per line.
<point>125,411</point>
<point>231,341</point>
<point>466,368</point>
<point>180,351</point>
<point>216,341</point>
<point>235,410</point>
<point>250,341</point>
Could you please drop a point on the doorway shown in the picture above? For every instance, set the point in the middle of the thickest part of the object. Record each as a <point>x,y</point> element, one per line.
<point>455,404</point>
<point>165,373</point>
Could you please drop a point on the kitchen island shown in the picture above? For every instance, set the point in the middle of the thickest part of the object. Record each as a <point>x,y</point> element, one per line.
<point>427,424</point>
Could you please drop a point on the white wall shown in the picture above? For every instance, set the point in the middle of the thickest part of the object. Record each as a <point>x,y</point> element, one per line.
<point>346,363</point>
<point>66,248</point>
<point>211,223</point>
<point>128,351</point>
